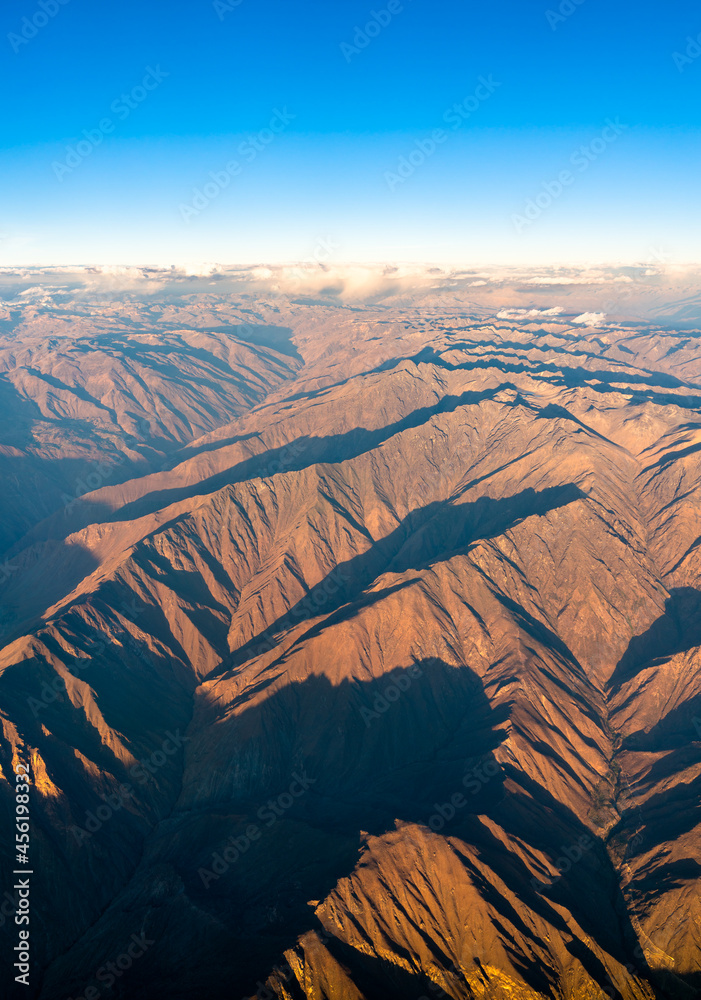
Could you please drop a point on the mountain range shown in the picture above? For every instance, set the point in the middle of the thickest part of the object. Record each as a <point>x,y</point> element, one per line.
<point>354,648</point>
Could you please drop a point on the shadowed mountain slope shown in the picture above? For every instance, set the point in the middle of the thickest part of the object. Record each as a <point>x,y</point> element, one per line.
<point>387,685</point>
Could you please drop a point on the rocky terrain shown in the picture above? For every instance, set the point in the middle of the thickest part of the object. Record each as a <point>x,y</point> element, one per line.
<point>370,669</point>
<point>86,400</point>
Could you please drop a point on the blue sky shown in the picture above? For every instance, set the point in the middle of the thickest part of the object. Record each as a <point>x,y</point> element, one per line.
<point>180,162</point>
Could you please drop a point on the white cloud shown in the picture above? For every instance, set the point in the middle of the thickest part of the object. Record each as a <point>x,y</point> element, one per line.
<point>590,319</point>
<point>528,313</point>
<point>585,292</point>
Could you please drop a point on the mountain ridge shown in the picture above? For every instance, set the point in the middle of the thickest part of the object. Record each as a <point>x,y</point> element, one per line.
<point>480,563</point>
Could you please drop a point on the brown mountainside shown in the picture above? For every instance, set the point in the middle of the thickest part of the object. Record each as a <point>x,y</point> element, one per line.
<point>396,654</point>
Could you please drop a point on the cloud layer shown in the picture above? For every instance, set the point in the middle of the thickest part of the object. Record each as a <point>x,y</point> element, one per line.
<point>587,296</point>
